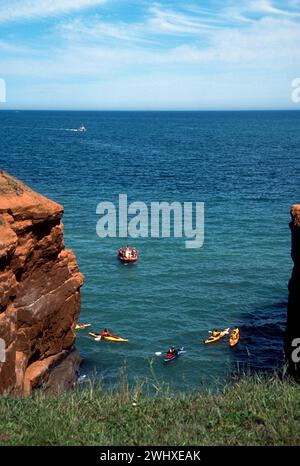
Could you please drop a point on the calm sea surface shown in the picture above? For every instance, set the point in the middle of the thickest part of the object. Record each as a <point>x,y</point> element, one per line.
<point>243,165</point>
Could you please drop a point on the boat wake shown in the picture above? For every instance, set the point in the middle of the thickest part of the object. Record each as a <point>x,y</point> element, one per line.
<point>81,129</point>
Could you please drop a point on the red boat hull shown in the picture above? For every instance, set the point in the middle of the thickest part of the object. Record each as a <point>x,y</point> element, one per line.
<point>127,260</point>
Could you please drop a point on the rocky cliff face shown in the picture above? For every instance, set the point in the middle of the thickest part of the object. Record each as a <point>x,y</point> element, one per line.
<point>293,315</point>
<point>39,292</point>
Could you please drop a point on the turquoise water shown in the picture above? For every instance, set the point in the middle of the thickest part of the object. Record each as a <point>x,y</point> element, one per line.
<point>243,165</point>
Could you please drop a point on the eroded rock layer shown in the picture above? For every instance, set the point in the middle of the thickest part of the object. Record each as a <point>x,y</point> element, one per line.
<point>39,289</point>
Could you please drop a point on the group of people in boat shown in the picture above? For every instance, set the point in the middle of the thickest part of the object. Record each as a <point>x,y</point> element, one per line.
<point>128,253</point>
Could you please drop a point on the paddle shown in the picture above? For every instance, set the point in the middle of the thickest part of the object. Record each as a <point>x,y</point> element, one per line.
<point>226,333</point>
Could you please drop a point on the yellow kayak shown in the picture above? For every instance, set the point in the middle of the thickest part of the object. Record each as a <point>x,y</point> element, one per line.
<point>110,338</point>
<point>221,335</point>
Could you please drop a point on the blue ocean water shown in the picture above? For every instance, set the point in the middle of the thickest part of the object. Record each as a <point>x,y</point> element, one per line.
<point>243,165</point>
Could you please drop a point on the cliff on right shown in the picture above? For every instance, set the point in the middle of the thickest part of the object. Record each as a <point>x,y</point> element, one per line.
<point>292,334</point>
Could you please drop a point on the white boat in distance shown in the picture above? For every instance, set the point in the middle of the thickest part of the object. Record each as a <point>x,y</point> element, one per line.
<point>82,129</point>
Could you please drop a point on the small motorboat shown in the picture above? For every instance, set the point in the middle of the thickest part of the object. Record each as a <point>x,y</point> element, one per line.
<point>81,129</point>
<point>127,256</point>
<point>127,259</point>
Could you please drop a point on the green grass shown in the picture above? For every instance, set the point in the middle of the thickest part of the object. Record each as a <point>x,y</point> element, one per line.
<point>13,185</point>
<point>251,411</point>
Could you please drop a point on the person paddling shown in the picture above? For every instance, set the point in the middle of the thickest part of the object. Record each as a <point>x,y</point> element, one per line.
<point>105,333</point>
<point>171,352</point>
<point>235,333</point>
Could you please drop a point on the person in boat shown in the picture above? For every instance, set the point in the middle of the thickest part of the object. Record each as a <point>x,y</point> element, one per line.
<point>234,333</point>
<point>105,333</point>
<point>134,252</point>
<point>215,333</point>
<point>171,352</point>
<point>127,251</point>
<point>121,252</point>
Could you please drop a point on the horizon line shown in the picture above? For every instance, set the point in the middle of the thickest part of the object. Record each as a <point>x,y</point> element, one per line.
<point>150,110</point>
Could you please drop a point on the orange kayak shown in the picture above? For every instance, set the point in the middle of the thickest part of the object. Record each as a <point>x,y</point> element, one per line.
<point>234,337</point>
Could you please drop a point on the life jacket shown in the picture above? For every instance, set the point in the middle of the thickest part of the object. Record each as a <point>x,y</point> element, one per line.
<point>235,334</point>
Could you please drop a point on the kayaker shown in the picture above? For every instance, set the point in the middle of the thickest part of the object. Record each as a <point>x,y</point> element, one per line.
<point>215,333</point>
<point>171,352</point>
<point>235,332</point>
<point>105,333</point>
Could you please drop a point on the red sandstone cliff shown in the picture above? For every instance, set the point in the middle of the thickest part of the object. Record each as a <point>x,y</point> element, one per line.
<point>39,291</point>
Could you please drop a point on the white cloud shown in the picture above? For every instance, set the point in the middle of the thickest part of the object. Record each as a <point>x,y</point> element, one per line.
<point>97,29</point>
<point>265,6</point>
<point>194,20</point>
<point>163,56</point>
<point>30,9</point>
<point>157,22</point>
<point>190,22</point>
<point>269,46</point>
<point>174,22</point>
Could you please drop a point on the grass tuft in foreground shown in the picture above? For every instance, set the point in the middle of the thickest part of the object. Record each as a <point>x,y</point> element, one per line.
<point>252,411</point>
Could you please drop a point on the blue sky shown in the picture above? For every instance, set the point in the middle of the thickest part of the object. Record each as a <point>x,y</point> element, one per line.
<point>141,54</point>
